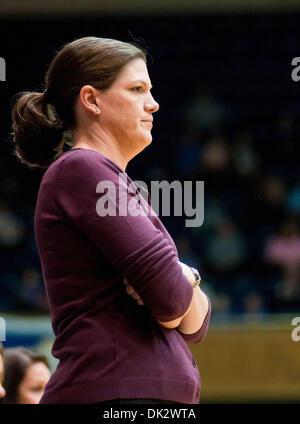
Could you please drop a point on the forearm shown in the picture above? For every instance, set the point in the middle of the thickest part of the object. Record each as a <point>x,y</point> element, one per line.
<point>193,320</point>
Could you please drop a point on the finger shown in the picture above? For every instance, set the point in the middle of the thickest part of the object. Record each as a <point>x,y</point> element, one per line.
<point>138,299</point>
<point>129,290</point>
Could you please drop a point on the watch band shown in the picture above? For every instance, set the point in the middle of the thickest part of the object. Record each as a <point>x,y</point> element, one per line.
<point>197,277</point>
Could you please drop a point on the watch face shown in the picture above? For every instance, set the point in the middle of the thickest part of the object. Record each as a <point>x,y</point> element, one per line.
<point>196,274</point>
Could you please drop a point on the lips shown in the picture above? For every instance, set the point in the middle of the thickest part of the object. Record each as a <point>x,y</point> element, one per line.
<point>148,123</point>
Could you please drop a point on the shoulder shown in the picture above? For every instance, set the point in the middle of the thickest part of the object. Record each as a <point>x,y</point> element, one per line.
<point>84,157</point>
<point>82,163</point>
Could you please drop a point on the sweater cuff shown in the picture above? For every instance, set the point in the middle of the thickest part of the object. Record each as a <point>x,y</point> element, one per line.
<point>199,335</point>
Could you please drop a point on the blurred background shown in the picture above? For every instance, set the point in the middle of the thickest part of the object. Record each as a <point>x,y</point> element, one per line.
<point>229,116</point>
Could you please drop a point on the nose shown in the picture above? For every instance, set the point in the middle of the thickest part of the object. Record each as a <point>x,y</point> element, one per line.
<point>151,106</point>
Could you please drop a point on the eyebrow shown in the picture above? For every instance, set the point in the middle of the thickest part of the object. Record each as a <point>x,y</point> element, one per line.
<point>143,83</point>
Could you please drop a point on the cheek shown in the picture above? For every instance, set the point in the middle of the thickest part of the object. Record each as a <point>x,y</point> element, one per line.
<point>36,397</point>
<point>130,112</point>
<point>2,391</point>
<point>124,116</point>
<point>32,397</point>
<point>27,396</point>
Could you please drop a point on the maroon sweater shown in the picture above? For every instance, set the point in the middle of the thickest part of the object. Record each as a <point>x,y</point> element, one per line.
<point>108,346</point>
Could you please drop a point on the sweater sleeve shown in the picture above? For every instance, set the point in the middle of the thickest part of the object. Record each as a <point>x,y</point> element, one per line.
<point>200,334</point>
<point>135,247</point>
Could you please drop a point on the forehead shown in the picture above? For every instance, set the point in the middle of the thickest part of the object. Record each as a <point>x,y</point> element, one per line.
<point>136,69</point>
<point>36,371</point>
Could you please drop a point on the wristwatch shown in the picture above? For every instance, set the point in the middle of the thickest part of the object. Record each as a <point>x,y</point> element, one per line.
<point>197,277</point>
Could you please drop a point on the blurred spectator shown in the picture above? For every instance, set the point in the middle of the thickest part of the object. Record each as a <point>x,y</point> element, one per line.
<point>283,249</point>
<point>204,112</point>
<point>156,173</point>
<point>285,150</point>
<point>216,155</point>
<point>245,159</point>
<point>287,291</point>
<point>221,302</point>
<point>213,214</point>
<point>26,375</point>
<point>270,202</point>
<point>32,292</point>
<point>293,200</point>
<point>185,251</point>
<point>216,169</point>
<point>12,228</point>
<point>9,187</point>
<point>9,290</point>
<point>226,250</point>
<point>254,303</point>
<point>273,191</point>
<point>2,390</point>
<point>288,132</point>
<point>286,124</point>
<point>188,155</point>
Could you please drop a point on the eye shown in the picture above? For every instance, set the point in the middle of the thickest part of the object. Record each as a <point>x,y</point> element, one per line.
<point>37,389</point>
<point>138,88</point>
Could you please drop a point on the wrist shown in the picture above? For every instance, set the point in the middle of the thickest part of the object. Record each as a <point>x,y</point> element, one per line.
<point>197,278</point>
<point>187,272</point>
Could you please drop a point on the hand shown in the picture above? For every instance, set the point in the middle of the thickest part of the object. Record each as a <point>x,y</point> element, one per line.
<point>130,290</point>
<point>187,272</point>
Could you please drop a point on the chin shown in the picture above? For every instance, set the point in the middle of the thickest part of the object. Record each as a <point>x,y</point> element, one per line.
<point>143,145</point>
<point>148,141</point>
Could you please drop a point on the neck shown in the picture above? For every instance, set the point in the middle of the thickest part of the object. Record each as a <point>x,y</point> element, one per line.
<point>109,148</point>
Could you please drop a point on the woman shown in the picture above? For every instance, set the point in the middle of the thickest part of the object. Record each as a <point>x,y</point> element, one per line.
<point>2,390</point>
<point>26,375</point>
<point>110,346</point>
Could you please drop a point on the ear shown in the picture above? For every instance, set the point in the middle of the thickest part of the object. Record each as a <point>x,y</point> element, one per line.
<point>89,99</point>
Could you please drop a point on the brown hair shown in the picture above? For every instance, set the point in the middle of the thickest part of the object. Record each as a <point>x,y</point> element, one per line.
<point>17,360</point>
<point>41,121</point>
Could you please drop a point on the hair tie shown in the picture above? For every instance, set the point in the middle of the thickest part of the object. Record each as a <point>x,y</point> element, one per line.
<point>51,112</point>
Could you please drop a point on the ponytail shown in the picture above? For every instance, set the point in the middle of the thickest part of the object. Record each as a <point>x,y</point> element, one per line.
<point>38,132</point>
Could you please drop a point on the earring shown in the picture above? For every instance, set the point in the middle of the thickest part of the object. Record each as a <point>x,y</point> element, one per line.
<point>97,109</point>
